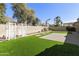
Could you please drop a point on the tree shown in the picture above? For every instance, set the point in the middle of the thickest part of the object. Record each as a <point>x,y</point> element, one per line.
<point>23,14</point>
<point>31,17</point>
<point>47,21</point>
<point>57,21</point>
<point>2,13</point>
<point>37,21</point>
<point>20,12</point>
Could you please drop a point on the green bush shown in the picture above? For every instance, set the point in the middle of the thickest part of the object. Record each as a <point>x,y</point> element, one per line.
<point>70,29</point>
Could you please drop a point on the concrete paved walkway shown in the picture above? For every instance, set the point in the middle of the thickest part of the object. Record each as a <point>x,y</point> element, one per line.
<point>55,37</point>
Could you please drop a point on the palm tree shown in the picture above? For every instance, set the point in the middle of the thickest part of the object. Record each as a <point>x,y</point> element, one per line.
<point>2,13</point>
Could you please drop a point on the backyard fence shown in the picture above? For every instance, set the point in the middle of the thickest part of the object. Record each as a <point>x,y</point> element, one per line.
<point>12,30</point>
<point>59,28</point>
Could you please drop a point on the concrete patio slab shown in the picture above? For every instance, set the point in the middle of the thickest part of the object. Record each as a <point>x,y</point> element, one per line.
<point>69,38</point>
<point>55,37</point>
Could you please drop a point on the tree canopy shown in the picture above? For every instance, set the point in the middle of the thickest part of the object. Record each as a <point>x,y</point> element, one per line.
<point>2,13</point>
<point>57,21</point>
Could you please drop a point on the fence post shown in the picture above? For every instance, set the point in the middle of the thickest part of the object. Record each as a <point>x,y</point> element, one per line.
<point>15,30</point>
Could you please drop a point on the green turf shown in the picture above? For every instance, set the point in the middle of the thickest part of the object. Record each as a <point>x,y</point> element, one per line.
<point>30,45</point>
<point>50,32</point>
<point>43,33</point>
<point>61,50</point>
<point>60,32</point>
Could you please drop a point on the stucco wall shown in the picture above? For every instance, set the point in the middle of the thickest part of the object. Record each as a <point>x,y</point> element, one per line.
<point>10,30</point>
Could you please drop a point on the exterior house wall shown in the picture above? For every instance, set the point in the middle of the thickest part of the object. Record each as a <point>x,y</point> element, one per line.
<point>68,24</point>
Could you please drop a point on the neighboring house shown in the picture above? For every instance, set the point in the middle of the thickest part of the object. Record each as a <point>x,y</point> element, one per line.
<point>68,24</point>
<point>10,20</point>
<point>76,25</point>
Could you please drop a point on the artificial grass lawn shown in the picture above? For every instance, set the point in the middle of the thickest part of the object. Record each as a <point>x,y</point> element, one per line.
<point>30,45</point>
<point>49,32</point>
<point>44,33</point>
<point>60,32</point>
<point>61,50</point>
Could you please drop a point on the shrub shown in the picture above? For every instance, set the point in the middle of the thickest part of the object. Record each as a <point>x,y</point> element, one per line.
<point>44,29</point>
<point>69,28</point>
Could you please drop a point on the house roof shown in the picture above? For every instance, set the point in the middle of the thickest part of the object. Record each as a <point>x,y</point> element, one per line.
<point>76,23</point>
<point>69,23</point>
<point>9,19</point>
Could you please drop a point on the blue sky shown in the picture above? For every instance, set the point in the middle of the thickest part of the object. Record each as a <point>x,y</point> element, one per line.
<point>67,12</point>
